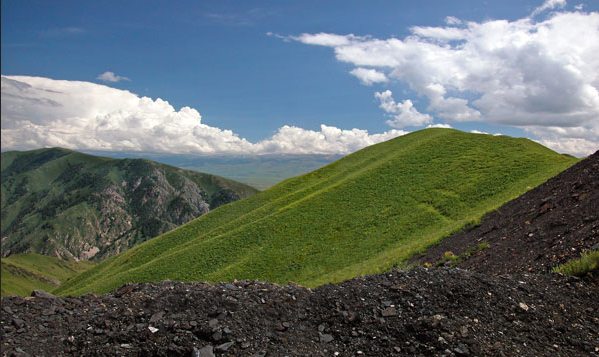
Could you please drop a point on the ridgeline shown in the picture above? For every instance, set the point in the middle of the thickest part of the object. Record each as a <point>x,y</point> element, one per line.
<point>363,214</point>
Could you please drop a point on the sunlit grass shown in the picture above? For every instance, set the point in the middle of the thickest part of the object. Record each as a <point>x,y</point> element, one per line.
<point>587,262</point>
<point>23,273</point>
<point>363,214</point>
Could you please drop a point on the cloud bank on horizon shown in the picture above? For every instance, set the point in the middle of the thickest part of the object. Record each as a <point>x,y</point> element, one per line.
<point>42,112</point>
<point>539,73</point>
<point>541,76</point>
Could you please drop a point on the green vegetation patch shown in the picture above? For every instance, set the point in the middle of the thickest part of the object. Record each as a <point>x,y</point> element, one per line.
<point>449,258</point>
<point>363,214</point>
<point>23,273</point>
<point>587,262</point>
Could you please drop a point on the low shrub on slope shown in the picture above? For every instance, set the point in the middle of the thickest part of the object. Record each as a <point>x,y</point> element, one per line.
<point>362,214</point>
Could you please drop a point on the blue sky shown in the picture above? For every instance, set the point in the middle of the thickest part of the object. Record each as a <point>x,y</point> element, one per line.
<point>216,56</point>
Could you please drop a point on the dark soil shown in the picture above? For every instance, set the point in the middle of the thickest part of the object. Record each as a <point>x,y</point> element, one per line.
<point>444,312</point>
<point>537,231</point>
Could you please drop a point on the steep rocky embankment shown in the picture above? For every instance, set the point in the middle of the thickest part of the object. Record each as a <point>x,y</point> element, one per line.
<point>539,230</point>
<point>424,312</point>
<point>71,205</point>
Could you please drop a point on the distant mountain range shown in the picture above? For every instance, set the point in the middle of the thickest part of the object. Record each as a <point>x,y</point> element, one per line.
<point>260,171</point>
<point>76,206</point>
<point>363,214</point>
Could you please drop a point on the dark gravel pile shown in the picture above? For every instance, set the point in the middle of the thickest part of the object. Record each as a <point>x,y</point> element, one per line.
<point>537,231</point>
<point>423,312</point>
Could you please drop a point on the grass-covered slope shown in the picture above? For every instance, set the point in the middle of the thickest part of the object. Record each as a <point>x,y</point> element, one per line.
<point>64,203</point>
<point>362,214</point>
<point>23,273</point>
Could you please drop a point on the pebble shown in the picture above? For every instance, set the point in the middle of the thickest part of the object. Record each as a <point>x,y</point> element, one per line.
<point>388,312</point>
<point>156,317</point>
<point>225,346</point>
<point>42,294</point>
<point>217,336</point>
<point>206,351</point>
<point>326,338</point>
<point>213,323</point>
<point>18,323</point>
<point>523,306</point>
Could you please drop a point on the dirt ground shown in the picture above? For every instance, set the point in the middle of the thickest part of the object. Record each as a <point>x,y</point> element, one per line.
<point>422,312</point>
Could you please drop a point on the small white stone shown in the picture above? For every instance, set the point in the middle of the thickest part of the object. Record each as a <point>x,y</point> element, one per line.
<point>152,329</point>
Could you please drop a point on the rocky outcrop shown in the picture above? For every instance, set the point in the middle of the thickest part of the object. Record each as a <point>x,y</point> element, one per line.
<point>75,206</point>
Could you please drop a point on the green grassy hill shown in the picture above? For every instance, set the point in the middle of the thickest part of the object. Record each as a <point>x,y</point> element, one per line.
<point>64,203</point>
<point>362,214</point>
<point>23,273</point>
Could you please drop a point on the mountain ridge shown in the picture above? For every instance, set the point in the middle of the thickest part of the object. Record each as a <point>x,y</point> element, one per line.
<point>362,214</point>
<point>72,205</point>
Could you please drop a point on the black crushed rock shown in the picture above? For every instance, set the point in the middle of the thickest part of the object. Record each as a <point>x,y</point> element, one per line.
<point>422,312</point>
<point>547,226</point>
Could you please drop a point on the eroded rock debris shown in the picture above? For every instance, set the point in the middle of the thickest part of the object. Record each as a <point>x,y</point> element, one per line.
<point>423,312</point>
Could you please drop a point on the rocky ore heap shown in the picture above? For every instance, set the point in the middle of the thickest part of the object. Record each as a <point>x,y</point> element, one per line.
<point>423,312</point>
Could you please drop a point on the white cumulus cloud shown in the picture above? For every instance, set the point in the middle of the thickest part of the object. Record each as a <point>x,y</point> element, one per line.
<point>369,76</point>
<point>549,5</point>
<point>42,112</point>
<point>403,114</point>
<point>439,125</point>
<point>452,20</point>
<point>535,73</point>
<point>325,39</point>
<point>329,140</point>
<point>111,77</point>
